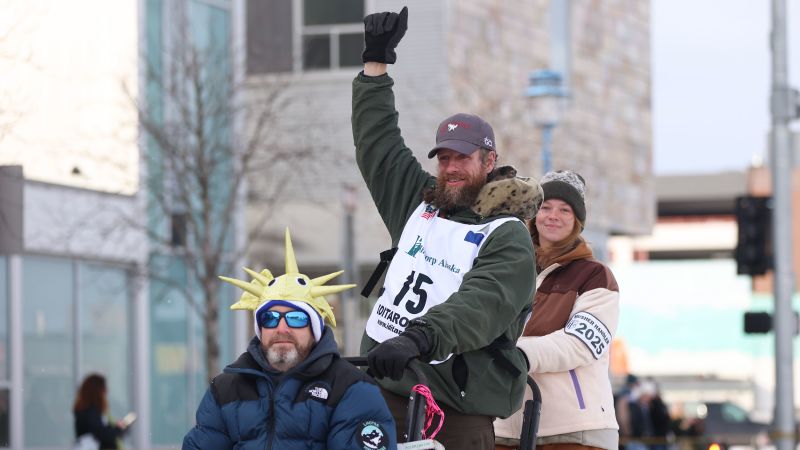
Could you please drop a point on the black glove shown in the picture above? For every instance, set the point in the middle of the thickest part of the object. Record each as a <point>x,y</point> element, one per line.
<point>390,357</point>
<point>382,33</point>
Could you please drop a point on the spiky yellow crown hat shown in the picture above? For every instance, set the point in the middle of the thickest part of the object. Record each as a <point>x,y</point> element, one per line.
<point>291,289</point>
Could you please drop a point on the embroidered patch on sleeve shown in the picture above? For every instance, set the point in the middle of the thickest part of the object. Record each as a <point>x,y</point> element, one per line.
<point>591,331</point>
<point>371,436</point>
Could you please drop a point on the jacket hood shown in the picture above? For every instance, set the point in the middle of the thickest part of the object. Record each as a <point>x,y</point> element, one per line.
<point>506,193</point>
<point>320,357</point>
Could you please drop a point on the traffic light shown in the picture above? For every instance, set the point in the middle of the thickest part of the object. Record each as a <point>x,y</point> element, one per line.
<point>760,322</point>
<point>754,248</point>
<point>757,322</point>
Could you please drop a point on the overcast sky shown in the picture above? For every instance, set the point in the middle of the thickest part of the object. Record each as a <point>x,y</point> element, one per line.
<point>711,81</point>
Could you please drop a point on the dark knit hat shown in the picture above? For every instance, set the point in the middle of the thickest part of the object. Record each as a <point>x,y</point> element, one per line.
<point>568,186</point>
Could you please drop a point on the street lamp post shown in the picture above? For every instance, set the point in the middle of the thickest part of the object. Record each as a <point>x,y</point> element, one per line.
<point>547,139</point>
<point>547,102</point>
<point>349,300</point>
<point>784,110</point>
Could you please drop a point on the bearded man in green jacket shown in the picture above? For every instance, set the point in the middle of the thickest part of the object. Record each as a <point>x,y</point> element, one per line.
<point>458,289</point>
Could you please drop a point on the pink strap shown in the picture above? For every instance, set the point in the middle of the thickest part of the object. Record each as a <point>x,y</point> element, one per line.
<point>432,409</point>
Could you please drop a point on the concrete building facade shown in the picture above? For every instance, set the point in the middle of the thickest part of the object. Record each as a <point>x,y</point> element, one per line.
<point>468,56</point>
<point>472,56</point>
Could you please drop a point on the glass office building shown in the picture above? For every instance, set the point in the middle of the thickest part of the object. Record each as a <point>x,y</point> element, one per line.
<point>175,33</point>
<point>78,295</point>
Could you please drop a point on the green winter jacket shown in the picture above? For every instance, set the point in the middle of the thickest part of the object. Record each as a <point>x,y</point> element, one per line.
<point>494,298</point>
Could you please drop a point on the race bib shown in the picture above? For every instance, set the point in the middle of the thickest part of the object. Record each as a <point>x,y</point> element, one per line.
<point>433,254</point>
<point>591,331</point>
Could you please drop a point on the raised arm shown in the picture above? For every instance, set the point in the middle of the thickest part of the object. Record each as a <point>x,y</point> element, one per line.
<point>393,176</point>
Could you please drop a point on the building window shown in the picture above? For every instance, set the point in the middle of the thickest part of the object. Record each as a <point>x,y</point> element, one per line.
<point>5,407</point>
<point>323,34</point>
<point>332,33</point>
<point>48,336</point>
<point>178,229</point>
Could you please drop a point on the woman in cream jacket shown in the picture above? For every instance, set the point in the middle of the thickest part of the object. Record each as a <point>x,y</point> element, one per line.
<point>567,339</point>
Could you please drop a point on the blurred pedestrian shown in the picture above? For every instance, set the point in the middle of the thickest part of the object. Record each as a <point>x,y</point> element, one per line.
<point>636,420</point>
<point>567,339</point>
<point>92,420</point>
<point>622,407</point>
<point>655,416</point>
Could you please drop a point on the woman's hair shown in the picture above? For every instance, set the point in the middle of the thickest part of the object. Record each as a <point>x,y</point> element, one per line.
<point>545,257</point>
<point>92,393</point>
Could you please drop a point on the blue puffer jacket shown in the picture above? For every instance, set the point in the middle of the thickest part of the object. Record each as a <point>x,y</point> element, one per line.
<point>323,403</point>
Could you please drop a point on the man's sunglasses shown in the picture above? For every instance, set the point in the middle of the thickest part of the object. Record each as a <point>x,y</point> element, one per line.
<point>294,319</point>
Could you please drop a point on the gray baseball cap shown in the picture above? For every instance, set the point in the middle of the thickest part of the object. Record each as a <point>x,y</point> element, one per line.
<point>463,133</point>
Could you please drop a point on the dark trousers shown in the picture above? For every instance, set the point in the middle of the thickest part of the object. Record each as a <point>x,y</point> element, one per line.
<point>460,431</point>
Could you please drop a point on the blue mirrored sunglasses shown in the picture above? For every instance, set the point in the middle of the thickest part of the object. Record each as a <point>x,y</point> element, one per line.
<point>294,319</point>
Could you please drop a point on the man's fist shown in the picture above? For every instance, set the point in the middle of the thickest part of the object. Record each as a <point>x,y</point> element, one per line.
<point>382,33</point>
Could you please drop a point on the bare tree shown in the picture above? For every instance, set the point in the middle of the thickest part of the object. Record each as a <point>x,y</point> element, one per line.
<point>204,139</point>
<point>15,25</point>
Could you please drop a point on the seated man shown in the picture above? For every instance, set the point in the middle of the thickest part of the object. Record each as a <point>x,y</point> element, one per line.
<point>290,390</point>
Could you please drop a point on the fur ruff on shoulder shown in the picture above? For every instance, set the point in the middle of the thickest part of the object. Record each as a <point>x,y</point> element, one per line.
<point>505,193</point>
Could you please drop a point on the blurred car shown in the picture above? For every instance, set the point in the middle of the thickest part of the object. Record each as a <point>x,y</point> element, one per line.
<point>721,425</point>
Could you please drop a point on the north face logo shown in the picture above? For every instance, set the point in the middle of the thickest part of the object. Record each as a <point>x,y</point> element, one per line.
<point>318,392</point>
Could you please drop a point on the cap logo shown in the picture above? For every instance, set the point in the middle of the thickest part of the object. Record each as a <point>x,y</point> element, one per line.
<point>487,142</point>
<point>451,126</point>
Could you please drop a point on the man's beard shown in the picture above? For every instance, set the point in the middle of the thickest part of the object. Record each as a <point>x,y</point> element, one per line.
<point>283,359</point>
<point>453,198</point>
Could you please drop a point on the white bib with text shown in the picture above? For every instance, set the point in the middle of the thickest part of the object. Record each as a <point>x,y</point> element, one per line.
<point>433,255</point>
